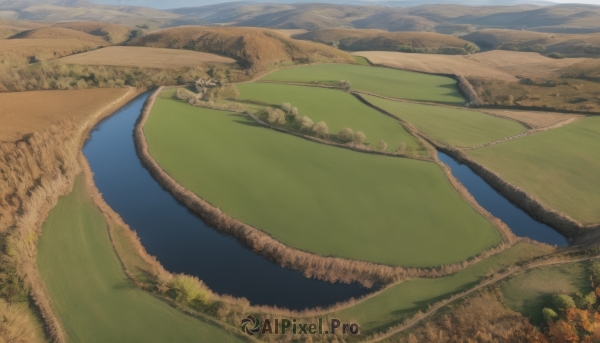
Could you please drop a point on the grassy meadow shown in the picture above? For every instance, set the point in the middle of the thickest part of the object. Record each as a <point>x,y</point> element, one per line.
<point>559,167</point>
<point>403,300</point>
<point>314,197</point>
<point>456,127</point>
<point>383,81</point>
<point>529,292</point>
<point>90,293</point>
<point>338,109</point>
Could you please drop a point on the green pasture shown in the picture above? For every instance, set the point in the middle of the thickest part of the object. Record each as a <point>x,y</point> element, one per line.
<point>315,197</point>
<point>560,167</point>
<point>337,109</point>
<point>453,126</point>
<point>90,293</point>
<point>401,301</point>
<point>531,291</point>
<point>383,81</point>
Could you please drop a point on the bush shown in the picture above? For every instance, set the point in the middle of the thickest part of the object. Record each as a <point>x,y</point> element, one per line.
<point>359,137</point>
<point>294,111</point>
<point>382,145</point>
<point>320,129</point>
<point>556,55</point>
<point>306,123</point>
<point>286,107</point>
<point>184,94</point>
<point>189,289</point>
<point>346,135</point>
<point>562,301</point>
<point>229,91</point>
<point>346,84</point>
<point>275,116</point>
<point>549,314</point>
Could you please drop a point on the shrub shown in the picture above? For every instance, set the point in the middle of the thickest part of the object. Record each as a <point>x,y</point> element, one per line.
<point>229,91</point>
<point>306,123</point>
<point>382,145</point>
<point>345,135</point>
<point>294,111</point>
<point>184,94</point>
<point>275,115</point>
<point>320,129</point>
<point>286,107</point>
<point>452,51</point>
<point>556,55</point>
<point>359,137</point>
<point>189,288</point>
<point>346,84</point>
<point>562,301</point>
<point>549,314</point>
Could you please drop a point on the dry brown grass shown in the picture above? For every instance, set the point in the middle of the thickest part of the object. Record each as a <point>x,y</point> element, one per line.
<point>436,64</point>
<point>133,56</point>
<point>589,69</point>
<point>534,119</point>
<point>113,33</point>
<point>360,40</point>
<point>26,112</point>
<point>62,33</point>
<point>497,65</point>
<point>257,49</point>
<point>291,32</point>
<point>18,52</point>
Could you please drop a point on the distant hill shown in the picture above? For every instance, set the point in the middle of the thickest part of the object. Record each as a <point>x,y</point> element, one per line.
<point>113,33</point>
<point>254,48</point>
<point>571,45</point>
<point>61,33</point>
<point>10,27</point>
<point>364,40</point>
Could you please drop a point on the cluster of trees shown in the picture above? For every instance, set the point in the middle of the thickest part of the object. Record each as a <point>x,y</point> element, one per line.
<point>468,48</point>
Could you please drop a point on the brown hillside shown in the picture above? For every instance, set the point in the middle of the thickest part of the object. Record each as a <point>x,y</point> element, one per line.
<point>255,49</point>
<point>62,33</point>
<point>361,40</point>
<point>570,45</point>
<point>113,33</point>
<point>586,70</point>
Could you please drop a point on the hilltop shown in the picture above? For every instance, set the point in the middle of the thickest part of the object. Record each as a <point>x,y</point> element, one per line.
<point>255,49</point>
<point>113,33</point>
<point>61,33</point>
<point>362,40</point>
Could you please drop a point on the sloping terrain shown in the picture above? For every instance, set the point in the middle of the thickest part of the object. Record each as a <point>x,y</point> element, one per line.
<point>62,33</point>
<point>113,33</point>
<point>357,40</point>
<point>256,49</point>
<point>565,44</point>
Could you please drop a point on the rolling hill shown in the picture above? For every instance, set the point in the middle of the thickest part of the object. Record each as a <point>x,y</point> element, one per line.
<point>363,40</point>
<point>62,33</point>
<point>113,33</point>
<point>255,49</point>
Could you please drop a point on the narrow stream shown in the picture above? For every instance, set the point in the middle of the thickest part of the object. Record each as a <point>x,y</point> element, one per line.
<point>184,244</point>
<point>518,220</point>
<point>180,240</point>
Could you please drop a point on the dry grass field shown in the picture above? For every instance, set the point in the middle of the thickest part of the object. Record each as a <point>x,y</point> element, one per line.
<point>132,56</point>
<point>291,32</point>
<point>18,52</point>
<point>534,119</point>
<point>113,33</point>
<point>62,33</point>
<point>360,40</point>
<point>256,49</point>
<point>25,112</point>
<point>498,65</point>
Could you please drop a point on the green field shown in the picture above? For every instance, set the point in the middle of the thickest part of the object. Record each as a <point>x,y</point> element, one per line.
<point>401,301</point>
<point>455,127</point>
<point>90,293</point>
<point>315,197</point>
<point>338,109</point>
<point>529,292</point>
<point>560,167</point>
<point>383,81</point>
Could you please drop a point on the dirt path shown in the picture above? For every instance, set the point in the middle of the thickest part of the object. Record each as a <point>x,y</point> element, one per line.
<point>484,284</point>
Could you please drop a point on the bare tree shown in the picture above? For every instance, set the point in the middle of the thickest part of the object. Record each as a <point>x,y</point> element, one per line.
<point>320,129</point>
<point>359,137</point>
<point>382,145</point>
<point>346,135</point>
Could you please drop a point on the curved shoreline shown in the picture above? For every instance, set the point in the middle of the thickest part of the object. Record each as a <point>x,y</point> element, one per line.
<point>332,269</point>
